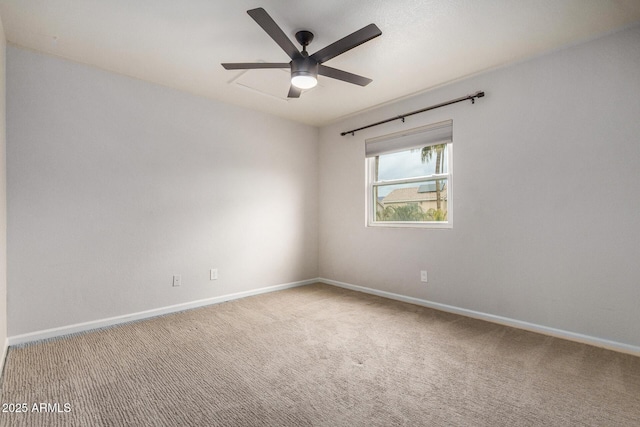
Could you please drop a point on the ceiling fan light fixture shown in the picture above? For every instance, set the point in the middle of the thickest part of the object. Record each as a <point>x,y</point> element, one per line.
<point>304,73</point>
<point>303,80</point>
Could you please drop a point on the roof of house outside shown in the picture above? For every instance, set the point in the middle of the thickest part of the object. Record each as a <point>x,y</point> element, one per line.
<point>429,187</point>
<point>413,194</point>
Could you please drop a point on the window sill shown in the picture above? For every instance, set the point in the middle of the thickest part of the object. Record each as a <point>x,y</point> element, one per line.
<point>441,225</point>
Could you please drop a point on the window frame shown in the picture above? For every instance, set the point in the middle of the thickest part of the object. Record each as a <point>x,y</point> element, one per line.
<point>372,184</point>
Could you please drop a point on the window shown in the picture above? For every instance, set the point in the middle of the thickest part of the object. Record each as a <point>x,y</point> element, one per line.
<point>410,178</point>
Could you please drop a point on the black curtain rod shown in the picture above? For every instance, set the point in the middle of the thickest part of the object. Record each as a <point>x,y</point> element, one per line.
<point>473,97</point>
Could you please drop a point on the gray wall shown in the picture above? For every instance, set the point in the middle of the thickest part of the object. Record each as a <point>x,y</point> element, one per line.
<point>546,196</point>
<point>3,200</point>
<point>115,185</point>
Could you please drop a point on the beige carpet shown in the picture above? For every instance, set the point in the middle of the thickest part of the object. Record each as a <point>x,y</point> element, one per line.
<point>319,356</point>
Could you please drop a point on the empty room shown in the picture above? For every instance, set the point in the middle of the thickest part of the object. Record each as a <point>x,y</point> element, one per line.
<point>297,213</point>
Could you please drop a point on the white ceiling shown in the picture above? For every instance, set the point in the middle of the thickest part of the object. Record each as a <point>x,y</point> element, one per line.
<point>424,43</point>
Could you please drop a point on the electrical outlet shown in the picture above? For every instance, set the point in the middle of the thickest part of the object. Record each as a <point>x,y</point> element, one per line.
<point>177,280</point>
<point>213,274</point>
<point>423,276</point>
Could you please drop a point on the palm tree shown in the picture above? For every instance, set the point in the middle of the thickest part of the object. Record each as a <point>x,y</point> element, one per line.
<point>426,155</point>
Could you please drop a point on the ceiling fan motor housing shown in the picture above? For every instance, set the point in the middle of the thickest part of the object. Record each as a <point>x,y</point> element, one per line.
<point>304,67</point>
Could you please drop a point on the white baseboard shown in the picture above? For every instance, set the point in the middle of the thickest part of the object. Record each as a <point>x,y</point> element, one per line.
<point>559,333</point>
<point>111,321</point>
<point>96,324</point>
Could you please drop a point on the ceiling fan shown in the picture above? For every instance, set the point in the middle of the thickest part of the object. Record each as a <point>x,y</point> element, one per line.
<point>304,67</point>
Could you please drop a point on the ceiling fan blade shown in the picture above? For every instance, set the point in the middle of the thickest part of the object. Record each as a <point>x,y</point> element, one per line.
<point>254,65</point>
<point>363,35</point>
<point>345,76</point>
<point>269,25</point>
<point>294,92</point>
